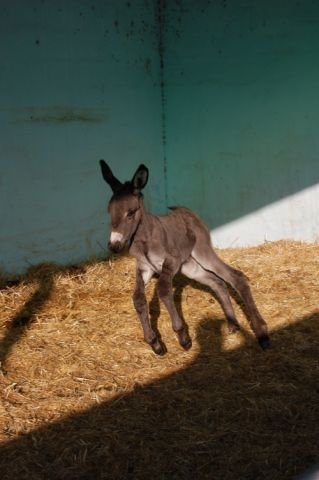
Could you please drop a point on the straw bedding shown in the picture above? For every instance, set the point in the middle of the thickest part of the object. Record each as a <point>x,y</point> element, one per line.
<point>83,397</point>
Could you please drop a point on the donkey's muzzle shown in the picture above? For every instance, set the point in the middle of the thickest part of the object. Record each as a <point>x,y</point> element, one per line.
<point>115,247</point>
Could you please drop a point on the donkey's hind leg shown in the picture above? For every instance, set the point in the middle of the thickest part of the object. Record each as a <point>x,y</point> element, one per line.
<point>194,271</point>
<point>204,255</point>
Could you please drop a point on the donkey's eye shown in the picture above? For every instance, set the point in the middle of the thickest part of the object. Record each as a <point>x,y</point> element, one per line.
<point>131,213</point>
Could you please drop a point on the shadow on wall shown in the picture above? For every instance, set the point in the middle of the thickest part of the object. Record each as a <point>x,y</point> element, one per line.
<point>253,417</point>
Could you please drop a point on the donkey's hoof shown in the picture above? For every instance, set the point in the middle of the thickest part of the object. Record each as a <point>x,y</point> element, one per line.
<point>185,341</point>
<point>233,328</point>
<point>264,342</point>
<point>187,345</point>
<point>158,347</point>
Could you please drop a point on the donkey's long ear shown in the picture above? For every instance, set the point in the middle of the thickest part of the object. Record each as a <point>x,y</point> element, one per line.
<point>108,176</point>
<point>140,178</point>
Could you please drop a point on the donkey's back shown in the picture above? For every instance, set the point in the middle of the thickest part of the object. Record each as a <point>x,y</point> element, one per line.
<point>174,234</point>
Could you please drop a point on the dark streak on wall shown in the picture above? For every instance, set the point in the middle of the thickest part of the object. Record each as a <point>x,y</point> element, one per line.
<point>161,8</point>
<point>58,115</point>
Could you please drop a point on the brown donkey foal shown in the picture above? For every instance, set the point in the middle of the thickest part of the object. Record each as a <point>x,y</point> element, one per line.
<point>165,245</point>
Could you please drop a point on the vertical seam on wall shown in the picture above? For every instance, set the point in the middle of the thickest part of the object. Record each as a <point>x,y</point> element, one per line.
<point>161,7</point>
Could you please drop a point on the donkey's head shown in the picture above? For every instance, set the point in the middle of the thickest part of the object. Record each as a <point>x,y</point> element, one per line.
<point>125,207</point>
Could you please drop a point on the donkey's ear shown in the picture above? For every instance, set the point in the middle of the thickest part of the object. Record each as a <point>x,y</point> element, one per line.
<point>140,178</point>
<point>108,176</point>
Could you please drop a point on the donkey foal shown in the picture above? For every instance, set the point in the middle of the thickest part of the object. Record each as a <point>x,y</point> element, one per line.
<point>165,245</point>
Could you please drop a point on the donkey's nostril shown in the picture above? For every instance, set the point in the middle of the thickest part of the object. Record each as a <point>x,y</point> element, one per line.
<point>115,247</point>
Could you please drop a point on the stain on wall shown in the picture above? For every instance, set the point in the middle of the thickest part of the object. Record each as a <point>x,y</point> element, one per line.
<point>60,115</point>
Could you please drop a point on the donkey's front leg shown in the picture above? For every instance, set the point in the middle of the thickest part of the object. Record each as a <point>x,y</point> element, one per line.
<point>165,293</point>
<point>141,307</point>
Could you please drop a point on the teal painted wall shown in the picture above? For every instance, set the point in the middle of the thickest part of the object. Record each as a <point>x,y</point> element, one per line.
<point>219,98</point>
<point>242,105</point>
<point>79,81</point>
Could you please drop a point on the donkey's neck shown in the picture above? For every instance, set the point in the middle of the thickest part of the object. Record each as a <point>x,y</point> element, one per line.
<point>146,222</point>
<point>145,229</point>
